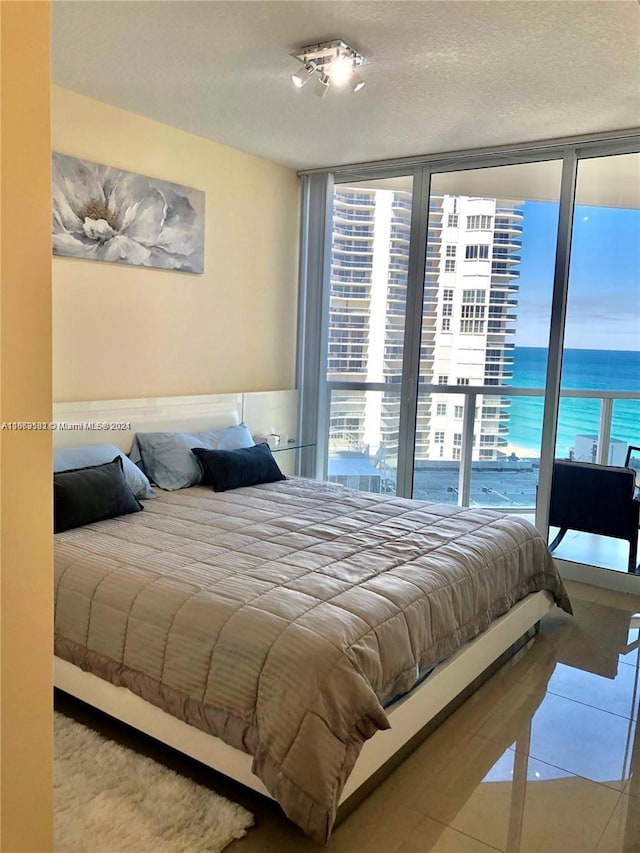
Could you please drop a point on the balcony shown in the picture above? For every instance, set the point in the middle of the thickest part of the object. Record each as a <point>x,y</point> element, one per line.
<point>349,262</point>
<point>516,212</point>
<point>357,199</point>
<point>504,285</point>
<point>507,241</point>
<point>508,227</point>
<point>352,215</point>
<point>352,232</point>
<point>401,204</point>
<point>507,257</point>
<point>501,269</point>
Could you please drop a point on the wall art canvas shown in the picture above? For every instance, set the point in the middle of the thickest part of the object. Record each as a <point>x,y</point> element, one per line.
<point>107,214</point>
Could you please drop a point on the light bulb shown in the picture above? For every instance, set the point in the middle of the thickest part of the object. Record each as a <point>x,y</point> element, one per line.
<point>340,70</point>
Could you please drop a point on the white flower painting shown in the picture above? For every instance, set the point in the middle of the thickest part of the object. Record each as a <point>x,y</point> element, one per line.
<point>107,214</point>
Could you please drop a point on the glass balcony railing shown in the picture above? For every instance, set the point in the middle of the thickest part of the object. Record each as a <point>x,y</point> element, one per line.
<point>502,469</point>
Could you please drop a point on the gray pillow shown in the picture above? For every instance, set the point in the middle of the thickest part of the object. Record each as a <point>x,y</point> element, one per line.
<point>166,457</point>
<point>68,458</point>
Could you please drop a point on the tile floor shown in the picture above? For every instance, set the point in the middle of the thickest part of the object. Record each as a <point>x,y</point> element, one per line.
<point>544,757</point>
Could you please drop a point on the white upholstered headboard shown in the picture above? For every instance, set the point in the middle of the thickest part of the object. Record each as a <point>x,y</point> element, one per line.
<point>117,421</point>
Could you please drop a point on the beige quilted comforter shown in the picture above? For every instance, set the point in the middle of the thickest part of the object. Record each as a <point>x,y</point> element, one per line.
<point>281,617</point>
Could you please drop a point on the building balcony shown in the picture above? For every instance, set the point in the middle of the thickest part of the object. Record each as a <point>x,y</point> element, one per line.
<point>507,258</point>
<point>501,269</point>
<point>352,216</point>
<point>516,212</point>
<point>354,198</point>
<point>505,360</point>
<point>342,248</point>
<point>350,263</point>
<point>498,331</point>
<point>352,232</point>
<point>507,241</point>
<point>508,227</point>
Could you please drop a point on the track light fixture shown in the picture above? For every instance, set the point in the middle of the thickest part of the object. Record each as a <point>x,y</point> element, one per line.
<point>334,62</point>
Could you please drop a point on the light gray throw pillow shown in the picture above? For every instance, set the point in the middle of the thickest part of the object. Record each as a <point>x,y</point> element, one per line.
<point>166,457</point>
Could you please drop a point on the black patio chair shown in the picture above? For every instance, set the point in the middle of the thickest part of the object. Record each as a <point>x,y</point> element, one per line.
<point>596,499</point>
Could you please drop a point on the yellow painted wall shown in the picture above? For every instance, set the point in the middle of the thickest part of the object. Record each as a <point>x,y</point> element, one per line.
<point>124,331</point>
<point>26,631</point>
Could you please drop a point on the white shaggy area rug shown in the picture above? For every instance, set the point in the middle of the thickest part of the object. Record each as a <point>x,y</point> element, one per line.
<point>110,799</point>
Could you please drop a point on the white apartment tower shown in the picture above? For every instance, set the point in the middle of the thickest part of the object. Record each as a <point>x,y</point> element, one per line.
<point>468,318</point>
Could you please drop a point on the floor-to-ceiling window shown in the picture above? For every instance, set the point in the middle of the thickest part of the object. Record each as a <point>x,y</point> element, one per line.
<point>449,280</point>
<point>599,413</point>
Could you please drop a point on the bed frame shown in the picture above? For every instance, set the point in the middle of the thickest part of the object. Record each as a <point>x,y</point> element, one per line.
<point>411,717</point>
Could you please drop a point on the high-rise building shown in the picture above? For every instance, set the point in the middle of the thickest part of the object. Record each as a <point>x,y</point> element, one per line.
<point>469,315</point>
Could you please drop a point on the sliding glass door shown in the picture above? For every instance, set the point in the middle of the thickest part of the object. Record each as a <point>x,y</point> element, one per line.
<point>601,356</point>
<point>599,413</point>
<point>485,332</point>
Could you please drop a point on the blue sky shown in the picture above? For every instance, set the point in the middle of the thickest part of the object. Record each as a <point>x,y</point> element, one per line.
<point>604,283</point>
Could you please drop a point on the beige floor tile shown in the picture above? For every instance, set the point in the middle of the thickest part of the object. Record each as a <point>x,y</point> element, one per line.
<point>622,834</point>
<point>578,738</point>
<point>583,591</point>
<point>616,695</point>
<point>433,837</point>
<point>559,628</point>
<point>622,600</point>
<point>514,802</point>
<point>600,639</point>
<point>383,828</point>
<point>565,815</point>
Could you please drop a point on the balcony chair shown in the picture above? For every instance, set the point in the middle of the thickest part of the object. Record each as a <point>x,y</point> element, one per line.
<point>596,499</point>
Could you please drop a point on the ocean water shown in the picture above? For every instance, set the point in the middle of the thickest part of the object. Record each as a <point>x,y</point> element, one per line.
<point>582,369</point>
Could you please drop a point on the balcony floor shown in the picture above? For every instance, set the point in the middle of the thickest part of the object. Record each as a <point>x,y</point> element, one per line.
<point>601,551</point>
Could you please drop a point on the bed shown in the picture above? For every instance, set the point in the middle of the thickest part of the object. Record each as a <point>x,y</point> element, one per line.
<point>294,635</point>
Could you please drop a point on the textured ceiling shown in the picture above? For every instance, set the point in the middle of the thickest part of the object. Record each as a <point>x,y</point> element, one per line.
<point>443,76</point>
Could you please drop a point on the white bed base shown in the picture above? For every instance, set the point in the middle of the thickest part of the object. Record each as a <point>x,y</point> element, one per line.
<point>407,716</point>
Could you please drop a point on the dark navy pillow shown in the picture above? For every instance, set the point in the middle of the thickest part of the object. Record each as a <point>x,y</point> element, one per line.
<point>231,469</point>
<point>84,495</point>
